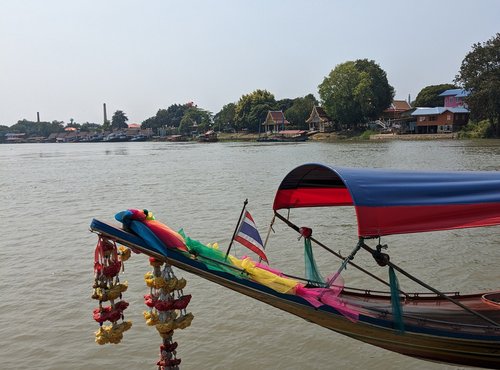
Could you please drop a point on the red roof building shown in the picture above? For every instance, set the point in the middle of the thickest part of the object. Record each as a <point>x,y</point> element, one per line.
<point>319,120</point>
<point>395,110</point>
<point>275,121</point>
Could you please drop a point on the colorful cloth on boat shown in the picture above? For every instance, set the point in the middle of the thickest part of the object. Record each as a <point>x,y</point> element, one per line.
<point>158,235</point>
<point>248,235</point>
<point>264,276</point>
<point>214,259</point>
<point>312,271</point>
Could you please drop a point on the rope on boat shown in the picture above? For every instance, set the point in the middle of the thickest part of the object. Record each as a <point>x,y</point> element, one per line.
<point>338,255</point>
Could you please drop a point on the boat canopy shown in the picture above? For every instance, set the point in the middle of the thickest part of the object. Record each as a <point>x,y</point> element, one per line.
<point>396,201</point>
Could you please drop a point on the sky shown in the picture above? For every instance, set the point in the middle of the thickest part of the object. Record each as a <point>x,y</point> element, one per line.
<point>65,59</point>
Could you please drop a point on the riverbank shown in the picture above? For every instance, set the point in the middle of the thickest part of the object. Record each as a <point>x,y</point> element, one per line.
<point>237,136</point>
<point>452,135</point>
<point>333,136</point>
<point>318,137</point>
<point>324,137</point>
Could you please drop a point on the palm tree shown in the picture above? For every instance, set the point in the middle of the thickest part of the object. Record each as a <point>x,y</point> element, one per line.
<point>119,120</point>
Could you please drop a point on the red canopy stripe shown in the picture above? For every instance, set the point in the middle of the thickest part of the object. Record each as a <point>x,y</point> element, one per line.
<point>311,197</point>
<point>376,221</point>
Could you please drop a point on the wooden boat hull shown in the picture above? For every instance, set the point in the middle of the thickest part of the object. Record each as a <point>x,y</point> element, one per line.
<point>421,342</point>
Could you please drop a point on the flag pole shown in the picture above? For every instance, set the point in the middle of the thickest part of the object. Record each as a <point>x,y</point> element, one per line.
<point>237,226</point>
<point>267,236</point>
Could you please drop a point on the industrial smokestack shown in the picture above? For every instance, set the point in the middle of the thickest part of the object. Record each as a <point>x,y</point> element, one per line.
<point>105,114</point>
<point>38,117</point>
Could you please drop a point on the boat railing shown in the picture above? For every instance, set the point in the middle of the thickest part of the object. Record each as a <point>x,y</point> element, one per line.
<point>370,292</point>
<point>422,321</point>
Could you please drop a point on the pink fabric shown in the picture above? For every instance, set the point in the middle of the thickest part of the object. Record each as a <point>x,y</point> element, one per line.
<point>318,297</point>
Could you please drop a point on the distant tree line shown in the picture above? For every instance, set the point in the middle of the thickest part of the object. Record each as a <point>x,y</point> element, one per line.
<point>480,74</point>
<point>353,93</point>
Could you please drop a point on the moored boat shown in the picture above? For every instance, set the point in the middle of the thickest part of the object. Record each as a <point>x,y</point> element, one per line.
<point>285,136</point>
<point>139,138</point>
<point>116,137</point>
<point>208,137</point>
<point>437,326</point>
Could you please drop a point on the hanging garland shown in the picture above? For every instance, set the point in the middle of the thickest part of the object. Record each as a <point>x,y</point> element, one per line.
<point>108,262</point>
<point>167,309</point>
<point>166,301</point>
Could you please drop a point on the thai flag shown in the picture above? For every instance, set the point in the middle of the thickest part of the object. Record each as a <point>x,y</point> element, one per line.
<point>248,236</point>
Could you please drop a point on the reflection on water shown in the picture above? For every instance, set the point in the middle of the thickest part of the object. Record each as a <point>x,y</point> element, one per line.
<point>50,193</point>
<point>118,151</point>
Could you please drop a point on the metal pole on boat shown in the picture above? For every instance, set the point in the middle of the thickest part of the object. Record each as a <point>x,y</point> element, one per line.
<point>269,231</point>
<point>341,268</point>
<point>296,228</point>
<point>237,226</point>
<point>267,236</point>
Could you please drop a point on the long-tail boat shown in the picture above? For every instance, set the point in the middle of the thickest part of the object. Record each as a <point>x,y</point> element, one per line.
<point>452,328</point>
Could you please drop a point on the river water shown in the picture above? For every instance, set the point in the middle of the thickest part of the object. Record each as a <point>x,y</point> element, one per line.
<point>50,193</point>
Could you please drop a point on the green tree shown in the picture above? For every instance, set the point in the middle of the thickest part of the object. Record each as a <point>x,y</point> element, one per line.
<point>376,93</point>
<point>480,74</point>
<point>106,126</point>
<point>258,114</point>
<point>119,120</point>
<point>166,117</point>
<point>338,95</point>
<point>195,117</point>
<point>300,110</point>
<point>284,104</point>
<point>31,128</point>
<point>173,115</point>
<point>429,96</point>
<point>252,108</point>
<point>226,117</point>
<point>170,117</point>
<point>3,131</point>
<point>187,125</point>
<point>355,92</point>
<point>88,126</point>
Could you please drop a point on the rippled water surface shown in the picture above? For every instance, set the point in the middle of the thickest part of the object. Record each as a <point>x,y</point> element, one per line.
<point>50,192</point>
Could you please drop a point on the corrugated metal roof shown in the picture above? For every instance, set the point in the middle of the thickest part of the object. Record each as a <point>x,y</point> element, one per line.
<point>458,110</point>
<point>438,110</point>
<point>458,93</point>
<point>428,111</point>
